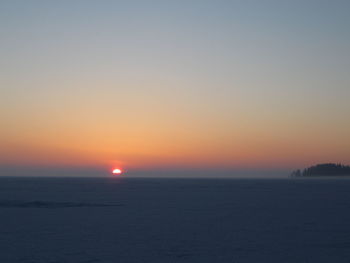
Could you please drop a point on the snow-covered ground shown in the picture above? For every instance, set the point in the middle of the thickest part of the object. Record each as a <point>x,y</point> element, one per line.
<point>174,220</point>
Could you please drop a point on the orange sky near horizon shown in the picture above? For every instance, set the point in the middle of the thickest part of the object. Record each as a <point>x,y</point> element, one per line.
<point>94,137</point>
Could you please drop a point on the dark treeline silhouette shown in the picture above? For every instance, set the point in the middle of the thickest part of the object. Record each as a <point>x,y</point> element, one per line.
<point>326,169</point>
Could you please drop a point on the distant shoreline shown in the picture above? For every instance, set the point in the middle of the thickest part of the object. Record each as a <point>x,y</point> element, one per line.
<point>323,170</point>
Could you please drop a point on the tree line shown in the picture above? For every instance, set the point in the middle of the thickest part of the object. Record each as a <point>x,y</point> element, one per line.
<point>326,169</point>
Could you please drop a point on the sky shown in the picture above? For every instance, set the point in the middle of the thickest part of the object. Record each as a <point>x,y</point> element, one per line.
<point>237,87</point>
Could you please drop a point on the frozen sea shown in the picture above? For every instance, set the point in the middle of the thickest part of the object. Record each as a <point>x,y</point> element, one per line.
<point>63,220</point>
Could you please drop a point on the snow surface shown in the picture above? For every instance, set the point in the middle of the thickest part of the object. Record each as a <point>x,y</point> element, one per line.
<point>54,220</point>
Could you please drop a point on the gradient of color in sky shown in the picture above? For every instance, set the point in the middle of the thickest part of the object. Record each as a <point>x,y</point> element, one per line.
<point>241,85</point>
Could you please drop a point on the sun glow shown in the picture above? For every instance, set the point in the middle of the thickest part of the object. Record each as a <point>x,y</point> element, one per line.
<point>117,171</point>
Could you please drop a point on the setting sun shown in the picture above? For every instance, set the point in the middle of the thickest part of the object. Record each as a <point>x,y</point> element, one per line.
<point>117,171</point>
